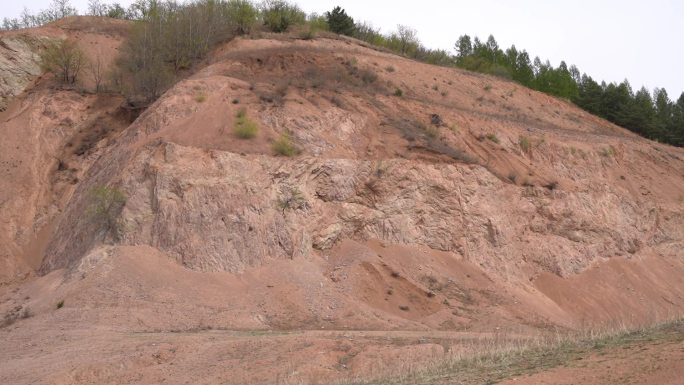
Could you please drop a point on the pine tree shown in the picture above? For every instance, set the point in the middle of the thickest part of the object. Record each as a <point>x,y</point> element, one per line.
<point>339,22</point>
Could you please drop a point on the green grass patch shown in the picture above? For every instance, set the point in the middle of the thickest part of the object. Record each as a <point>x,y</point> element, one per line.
<point>284,146</point>
<point>244,127</point>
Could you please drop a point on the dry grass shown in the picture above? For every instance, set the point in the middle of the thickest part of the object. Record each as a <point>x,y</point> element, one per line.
<point>200,98</point>
<point>284,146</point>
<point>607,152</point>
<point>494,359</point>
<point>493,138</point>
<point>525,143</point>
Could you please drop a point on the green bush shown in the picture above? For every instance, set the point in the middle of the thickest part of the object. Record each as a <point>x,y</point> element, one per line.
<point>243,14</point>
<point>279,15</point>
<point>244,127</point>
<point>284,146</point>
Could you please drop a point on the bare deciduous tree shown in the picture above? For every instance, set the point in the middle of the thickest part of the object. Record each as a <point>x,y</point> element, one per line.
<point>96,69</point>
<point>65,59</point>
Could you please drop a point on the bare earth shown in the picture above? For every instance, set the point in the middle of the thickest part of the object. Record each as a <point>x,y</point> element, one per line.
<point>392,240</point>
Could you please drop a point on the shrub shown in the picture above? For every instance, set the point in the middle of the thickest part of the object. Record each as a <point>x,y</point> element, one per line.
<point>106,204</point>
<point>525,143</point>
<point>284,146</point>
<point>431,132</point>
<point>368,76</point>
<point>200,98</point>
<point>492,137</point>
<point>607,152</point>
<point>389,68</point>
<point>398,92</point>
<point>64,59</point>
<point>244,127</point>
<point>292,199</point>
<point>279,15</point>
<point>60,304</point>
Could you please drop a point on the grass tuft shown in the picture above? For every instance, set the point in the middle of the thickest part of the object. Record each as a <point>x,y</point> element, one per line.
<point>200,98</point>
<point>244,127</point>
<point>493,138</point>
<point>284,146</point>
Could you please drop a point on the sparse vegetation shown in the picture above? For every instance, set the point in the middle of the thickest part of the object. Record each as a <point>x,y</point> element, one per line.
<point>200,98</point>
<point>60,304</point>
<point>284,146</point>
<point>389,68</point>
<point>607,152</point>
<point>14,314</point>
<point>292,199</point>
<point>501,358</point>
<point>175,36</point>
<point>487,87</point>
<point>244,127</point>
<point>368,76</point>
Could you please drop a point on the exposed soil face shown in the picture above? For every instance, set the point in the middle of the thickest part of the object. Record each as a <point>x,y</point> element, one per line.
<point>466,206</point>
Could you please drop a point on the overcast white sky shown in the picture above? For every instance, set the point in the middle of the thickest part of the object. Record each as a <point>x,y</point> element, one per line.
<point>608,39</point>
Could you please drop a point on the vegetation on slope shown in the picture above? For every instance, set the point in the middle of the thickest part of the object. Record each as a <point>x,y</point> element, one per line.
<point>170,36</point>
<point>509,359</point>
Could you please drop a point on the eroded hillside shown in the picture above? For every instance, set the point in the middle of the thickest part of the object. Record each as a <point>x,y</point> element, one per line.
<point>417,198</point>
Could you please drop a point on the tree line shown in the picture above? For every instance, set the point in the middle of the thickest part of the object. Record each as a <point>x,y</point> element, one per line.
<point>169,36</point>
<point>653,115</point>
